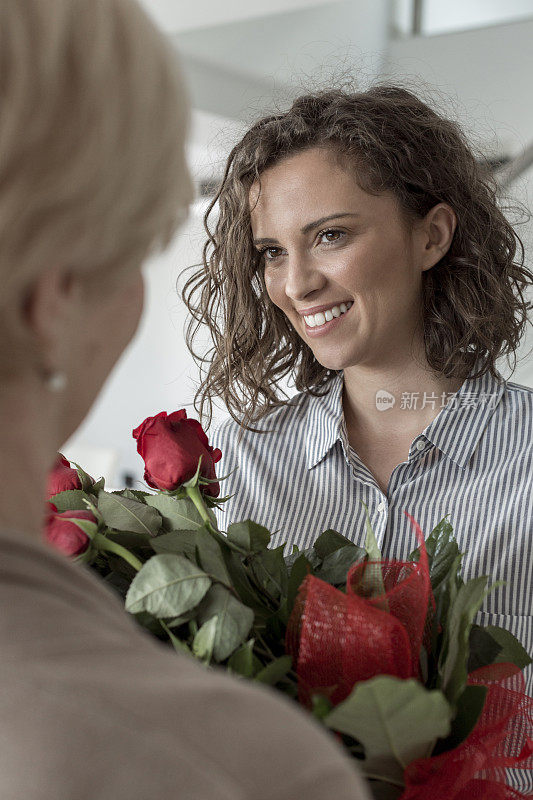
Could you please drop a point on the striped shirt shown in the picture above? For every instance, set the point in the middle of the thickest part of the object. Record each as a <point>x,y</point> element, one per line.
<point>473,461</point>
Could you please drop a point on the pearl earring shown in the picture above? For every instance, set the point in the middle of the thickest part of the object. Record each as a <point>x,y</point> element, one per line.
<point>56,382</point>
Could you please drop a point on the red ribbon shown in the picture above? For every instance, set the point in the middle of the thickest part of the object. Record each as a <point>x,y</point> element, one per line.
<point>377,627</point>
<point>501,739</point>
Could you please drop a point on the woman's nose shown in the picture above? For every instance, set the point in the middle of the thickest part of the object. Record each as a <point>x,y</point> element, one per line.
<point>303,276</point>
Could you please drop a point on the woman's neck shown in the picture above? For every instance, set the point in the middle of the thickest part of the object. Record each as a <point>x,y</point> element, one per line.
<point>26,454</point>
<point>382,402</point>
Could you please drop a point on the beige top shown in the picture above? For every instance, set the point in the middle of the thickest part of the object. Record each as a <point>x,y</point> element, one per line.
<point>93,708</point>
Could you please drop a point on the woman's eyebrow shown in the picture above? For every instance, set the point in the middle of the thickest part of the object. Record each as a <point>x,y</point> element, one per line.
<point>310,226</point>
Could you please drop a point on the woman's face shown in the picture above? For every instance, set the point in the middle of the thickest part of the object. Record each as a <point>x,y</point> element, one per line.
<point>326,242</point>
<point>104,320</point>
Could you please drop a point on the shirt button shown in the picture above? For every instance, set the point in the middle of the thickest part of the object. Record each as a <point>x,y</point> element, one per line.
<point>381,506</point>
<point>420,444</point>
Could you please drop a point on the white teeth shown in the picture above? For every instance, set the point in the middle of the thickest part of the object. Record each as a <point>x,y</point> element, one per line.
<point>315,320</point>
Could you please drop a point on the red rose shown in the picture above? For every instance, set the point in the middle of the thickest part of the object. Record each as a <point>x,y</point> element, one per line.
<point>62,477</point>
<point>171,446</point>
<point>65,535</point>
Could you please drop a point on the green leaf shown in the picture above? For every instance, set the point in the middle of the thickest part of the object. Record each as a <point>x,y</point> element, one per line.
<point>311,555</point>
<point>125,514</point>
<point>299,572</point>
<point>137,543</point>
<point>511,649</point>
<point>397,721</point>
<point>204,640</point>
<point>182,619</point>
<point>330,541</point>
<point>371,543</point>
<point>96,487</point>
<point>482,648</point>
<point>239,578</point>
<point>275,671</point>
<point>249,535</point>
<point>85,479</point>
<point>71,500</point>
<point>469,708</point>
<point>181,543</point>
<point>133,494</point>
<point>177,513</point>
<point>234,620</point>
<point>243,661</point>
<point>335,566</point>
<point>209,556</point>
<point>454,655</point>
<point>321,706</point>
<point>270,571</point>
<point>443,555</point>
<point>167,586</point>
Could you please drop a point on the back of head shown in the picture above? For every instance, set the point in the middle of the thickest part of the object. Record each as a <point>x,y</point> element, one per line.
<point>92,127</point>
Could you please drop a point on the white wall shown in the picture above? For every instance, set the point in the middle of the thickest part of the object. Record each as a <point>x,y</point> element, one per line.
<point>488,71</point>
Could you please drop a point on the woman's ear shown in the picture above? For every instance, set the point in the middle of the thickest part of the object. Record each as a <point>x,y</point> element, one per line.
<point>436,234</point>
<point>49,308</point>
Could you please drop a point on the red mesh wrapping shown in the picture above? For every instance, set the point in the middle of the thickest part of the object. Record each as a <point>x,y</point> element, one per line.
<point>337,639</point>
<point>378,628</point>
<point>502,738</point>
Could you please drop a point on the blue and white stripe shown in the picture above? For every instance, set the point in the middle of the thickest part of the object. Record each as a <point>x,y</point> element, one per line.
<point>474,460</point>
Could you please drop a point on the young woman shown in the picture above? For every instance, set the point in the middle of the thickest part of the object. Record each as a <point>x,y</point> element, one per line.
<point>92,178</point>
<point>360,249</point>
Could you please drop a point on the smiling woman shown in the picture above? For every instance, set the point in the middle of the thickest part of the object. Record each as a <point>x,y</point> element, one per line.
<point>360,249</point>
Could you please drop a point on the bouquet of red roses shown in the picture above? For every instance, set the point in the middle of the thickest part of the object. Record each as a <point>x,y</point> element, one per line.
<point>385,653</point>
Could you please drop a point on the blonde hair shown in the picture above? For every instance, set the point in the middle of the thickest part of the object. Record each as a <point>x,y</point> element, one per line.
<point>93,117</point>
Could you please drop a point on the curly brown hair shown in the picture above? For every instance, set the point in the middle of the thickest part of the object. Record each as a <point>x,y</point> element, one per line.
<point>473,303</point>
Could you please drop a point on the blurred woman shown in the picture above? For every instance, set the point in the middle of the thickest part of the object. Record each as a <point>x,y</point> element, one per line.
<point>92,180</point>
<point>360,251</point>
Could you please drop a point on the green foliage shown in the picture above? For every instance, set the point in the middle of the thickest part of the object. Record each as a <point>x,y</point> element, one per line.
<point>465,602</point>
<point>335,566</point>
<point>233,620</point>
<point>167,586</point>
<point>511,651</point>
<point>275,671</point>
<point>249,535</point>
<point>469,708</point>
<point>177,514</point>
<point>182,543</point>
<point>395,720</point>
<point>125,514</point>
<point>330,541</point>
<point>71,500</point>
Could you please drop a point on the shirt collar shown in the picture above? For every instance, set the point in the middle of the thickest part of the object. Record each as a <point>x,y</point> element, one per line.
<point>455,430</point>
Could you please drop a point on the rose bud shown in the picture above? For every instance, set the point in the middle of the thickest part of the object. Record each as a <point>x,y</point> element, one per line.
<point>65,535</point>
<point>171,446</point>
<point>62,477</point>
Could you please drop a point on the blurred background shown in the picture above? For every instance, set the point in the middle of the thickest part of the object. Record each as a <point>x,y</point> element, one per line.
<point>472,59</point>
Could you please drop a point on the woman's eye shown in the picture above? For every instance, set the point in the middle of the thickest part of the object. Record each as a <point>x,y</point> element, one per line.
<point>270,253</point>
<point>330,236</point>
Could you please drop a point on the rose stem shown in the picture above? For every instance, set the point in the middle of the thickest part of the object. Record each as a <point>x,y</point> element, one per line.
<point>103,544</point>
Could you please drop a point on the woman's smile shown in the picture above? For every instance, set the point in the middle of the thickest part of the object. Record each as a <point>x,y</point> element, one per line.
<point>324,322</point>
